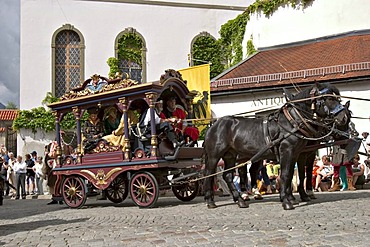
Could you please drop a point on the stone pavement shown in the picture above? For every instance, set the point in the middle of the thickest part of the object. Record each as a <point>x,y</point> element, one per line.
<point>334,219</point>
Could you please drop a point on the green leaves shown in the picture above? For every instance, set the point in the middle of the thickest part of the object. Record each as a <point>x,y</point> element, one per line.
<point>113,66</point>
<point>41,118</point>
<point>232,32</point>
<point>207,49</point>
<point>129,48</point>
<point>34,119</point>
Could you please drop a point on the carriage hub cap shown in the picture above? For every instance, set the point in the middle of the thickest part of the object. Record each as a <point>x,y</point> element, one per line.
<point>142,189</point>
<point>72,191</point>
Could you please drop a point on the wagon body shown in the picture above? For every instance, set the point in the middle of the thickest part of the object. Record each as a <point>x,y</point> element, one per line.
<point>120,170</point>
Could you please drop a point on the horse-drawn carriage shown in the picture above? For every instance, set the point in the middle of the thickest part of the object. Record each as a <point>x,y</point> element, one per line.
<point>144,161</point>
<point>144,164</point>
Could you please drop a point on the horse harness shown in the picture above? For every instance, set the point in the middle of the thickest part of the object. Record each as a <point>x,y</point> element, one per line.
<point>299,123</point>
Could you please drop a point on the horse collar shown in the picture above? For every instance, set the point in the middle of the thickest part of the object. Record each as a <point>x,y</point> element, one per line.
<point>304,127</point>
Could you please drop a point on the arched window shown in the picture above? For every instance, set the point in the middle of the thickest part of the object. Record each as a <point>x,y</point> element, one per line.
<point>205,49</point>
<point>130,50</point>
<point>67,59</point>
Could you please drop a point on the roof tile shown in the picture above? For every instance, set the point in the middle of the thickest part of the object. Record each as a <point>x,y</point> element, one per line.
<point>345,49</point>
<point>8,115</point>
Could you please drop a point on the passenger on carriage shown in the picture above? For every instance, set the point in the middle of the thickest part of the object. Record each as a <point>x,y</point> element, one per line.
<point>93,130</point>
<point>116,136</point>
<point>176,116</point>
<point>111,121</point>
<point>162,124</point>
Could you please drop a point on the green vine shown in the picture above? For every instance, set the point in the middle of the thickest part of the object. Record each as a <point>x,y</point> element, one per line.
<point>41,118</point>
<point>206,49</point>
<point>232,32</point>
<point>250,47</point>
<point>129,48</point>
<point>113,66</point>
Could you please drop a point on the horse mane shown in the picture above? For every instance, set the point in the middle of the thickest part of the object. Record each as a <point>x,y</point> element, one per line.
<point>306,93</point>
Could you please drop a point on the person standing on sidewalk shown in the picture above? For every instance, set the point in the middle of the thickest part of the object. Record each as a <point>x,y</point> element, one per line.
<point>20,169</point>
<point>3,173</point>
<point>30,175</point>
<point>39,176</point>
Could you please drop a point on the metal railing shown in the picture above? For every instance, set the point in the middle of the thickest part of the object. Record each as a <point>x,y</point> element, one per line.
<point>336,69</point>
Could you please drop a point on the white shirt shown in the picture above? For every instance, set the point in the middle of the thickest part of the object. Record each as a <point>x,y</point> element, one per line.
<point>147,118</point>
<point>38,169</point>
<point>20,167</point>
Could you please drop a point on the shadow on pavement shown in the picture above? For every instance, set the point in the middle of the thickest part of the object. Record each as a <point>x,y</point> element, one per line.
<point>27,226</point>
<point>16,209</point>
<point>322,197</point>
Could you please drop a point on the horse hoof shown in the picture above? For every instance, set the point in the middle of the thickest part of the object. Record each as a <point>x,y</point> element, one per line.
<point>294,202</point>
<point>288,206</point>
<point>242,204</point>
<point>211,205</point>
<point>312,196</point>
<point>306,199</point>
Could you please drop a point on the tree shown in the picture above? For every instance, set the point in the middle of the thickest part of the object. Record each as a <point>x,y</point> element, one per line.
<point>11,105</point>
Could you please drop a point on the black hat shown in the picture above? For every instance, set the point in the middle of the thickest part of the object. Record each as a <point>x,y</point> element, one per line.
<point>34,152</point>
<point>93,110</point>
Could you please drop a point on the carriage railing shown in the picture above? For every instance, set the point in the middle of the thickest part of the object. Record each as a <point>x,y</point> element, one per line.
<point>336,69</point>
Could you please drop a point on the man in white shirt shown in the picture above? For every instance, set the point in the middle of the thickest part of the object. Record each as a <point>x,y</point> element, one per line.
<point>20,169</point>
<point>162,125</point>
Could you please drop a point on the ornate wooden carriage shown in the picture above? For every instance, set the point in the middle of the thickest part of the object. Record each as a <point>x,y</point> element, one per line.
<point>120,170</point>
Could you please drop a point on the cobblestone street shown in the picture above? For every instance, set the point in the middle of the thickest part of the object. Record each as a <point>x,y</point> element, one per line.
<point>334,219</point>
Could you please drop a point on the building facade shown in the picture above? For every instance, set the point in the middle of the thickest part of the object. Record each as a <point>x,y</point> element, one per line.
<point>323,38</point>
<point>64,42</point>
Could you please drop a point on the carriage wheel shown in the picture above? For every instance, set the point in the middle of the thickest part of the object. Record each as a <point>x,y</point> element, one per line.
<point>186,192</point>
<point>74,191</point>
<point>118,189</point>
<point>144,189</point>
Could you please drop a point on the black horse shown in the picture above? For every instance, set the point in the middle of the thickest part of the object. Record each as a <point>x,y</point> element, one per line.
<point>306,159</point>
<point>281,136</point>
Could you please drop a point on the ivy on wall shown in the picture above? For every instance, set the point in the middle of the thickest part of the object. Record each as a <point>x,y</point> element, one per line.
<point>206,49</point>
<point>222,53</point>
<point>250,47</point>
<point>41,118</point>
<point>230,49</point>
<point>113,64</point>
<point>129,48</point>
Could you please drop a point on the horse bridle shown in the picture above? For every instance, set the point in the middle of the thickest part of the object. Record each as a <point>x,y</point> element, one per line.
<point>321,101</point>
<point>305,125</point>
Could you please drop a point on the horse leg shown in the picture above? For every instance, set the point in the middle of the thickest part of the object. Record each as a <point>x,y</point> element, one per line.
<point>243,174</point>
<point>253,171</point>
<point>210,168</point>
<point>287,166</point>
<point>301,173</point>
<point>228,177</point>
<point>309,169</point>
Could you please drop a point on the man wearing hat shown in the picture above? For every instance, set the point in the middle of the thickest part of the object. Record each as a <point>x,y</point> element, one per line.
<point>176,115</point>
<point>95,84</point>
<point>93,129</point>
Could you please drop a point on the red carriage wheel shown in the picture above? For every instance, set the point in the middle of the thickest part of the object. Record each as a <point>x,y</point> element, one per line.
<point>186,191</point>
<point>118,189</point>
<point>74,191</point>
<point>144,189</point>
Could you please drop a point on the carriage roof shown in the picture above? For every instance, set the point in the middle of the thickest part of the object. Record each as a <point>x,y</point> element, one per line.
<point>122,88</point>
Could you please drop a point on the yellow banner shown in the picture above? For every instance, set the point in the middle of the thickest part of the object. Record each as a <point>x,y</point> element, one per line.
<point>198,79</point>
